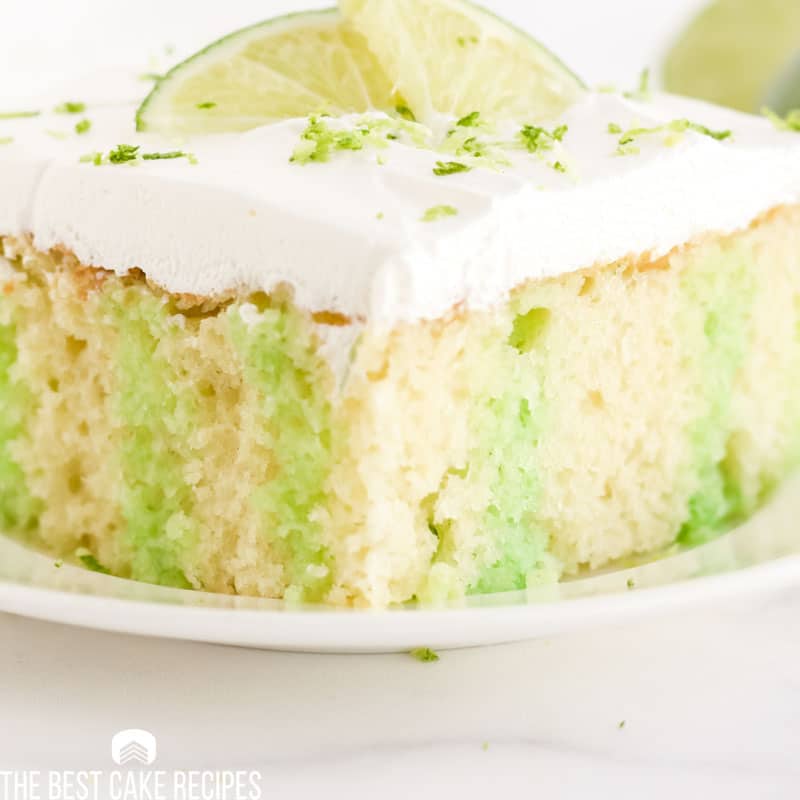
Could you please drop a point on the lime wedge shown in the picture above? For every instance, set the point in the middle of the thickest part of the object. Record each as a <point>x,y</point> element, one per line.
<point>453,57</point>
<point>291,66</point>
<point>734,51</point>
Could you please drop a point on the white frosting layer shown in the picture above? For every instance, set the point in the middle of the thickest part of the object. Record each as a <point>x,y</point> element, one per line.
<point>246,218</point>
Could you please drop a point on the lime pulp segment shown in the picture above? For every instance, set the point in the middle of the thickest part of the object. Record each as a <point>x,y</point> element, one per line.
<point>453,57</point>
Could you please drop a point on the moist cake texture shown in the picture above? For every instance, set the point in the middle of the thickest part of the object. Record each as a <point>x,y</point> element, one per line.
<point>230,376</point>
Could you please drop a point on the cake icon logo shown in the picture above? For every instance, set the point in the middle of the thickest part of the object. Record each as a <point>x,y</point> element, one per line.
<point>134,747</point>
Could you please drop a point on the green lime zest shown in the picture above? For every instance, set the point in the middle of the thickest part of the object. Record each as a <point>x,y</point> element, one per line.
<point>425,655</point>
<point>471,146</point>
<point>70,107</point>
<point>123,153</point>
<point>450,168</point>
<point>131,154</point>
<point>791,122</point>
<point>19,114</point>
<point>206,104</point>
<point>169,154</point>
<point>6,139</point>
<point>682,125</point>
<point>83,126</point>
<point>469,120</point>
<point>435,213</point>
<point>536,139</point>
<point>677,126</point>
<point>461,140</point>
<point>319,141</point>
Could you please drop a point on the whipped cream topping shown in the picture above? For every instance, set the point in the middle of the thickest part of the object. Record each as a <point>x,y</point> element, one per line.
<point>348,234</point>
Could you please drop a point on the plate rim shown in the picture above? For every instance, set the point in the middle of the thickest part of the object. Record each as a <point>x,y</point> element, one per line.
<point>320,630</point>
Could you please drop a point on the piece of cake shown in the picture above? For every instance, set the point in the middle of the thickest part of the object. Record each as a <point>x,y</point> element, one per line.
<point>362,360</point>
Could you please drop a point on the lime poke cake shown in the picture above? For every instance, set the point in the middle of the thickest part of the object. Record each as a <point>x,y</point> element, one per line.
<point>382,304</point>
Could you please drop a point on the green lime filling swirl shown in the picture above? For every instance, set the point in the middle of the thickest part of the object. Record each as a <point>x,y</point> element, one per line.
<point>19,510</point>
<point>158,416</point>
<point>295,429</point>
<point>725,287</point>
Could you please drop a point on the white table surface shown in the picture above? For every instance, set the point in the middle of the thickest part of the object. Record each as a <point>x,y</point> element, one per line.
<point>711,703</point>
<point>711,700</point>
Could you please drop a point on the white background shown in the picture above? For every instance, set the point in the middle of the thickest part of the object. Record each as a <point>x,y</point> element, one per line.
<point>45,41</point>
<point>711,700</point>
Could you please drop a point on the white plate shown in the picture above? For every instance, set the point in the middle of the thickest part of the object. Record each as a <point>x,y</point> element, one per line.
<point>762,555</point>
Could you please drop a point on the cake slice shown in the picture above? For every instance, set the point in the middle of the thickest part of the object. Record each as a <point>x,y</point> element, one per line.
<point>360,360</point>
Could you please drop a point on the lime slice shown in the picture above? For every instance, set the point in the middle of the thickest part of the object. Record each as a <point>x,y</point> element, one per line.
<point>452,57</point>
<point>287,67</point>
<point>734,50</point>
<point>442,56</point>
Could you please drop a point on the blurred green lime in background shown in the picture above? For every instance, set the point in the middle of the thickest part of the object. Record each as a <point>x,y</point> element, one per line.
<point>739,53</point>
